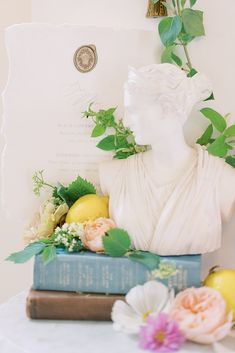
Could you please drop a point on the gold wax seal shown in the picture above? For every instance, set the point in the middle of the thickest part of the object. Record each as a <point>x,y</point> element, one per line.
<point>85,58</point>
<point>156,10</point>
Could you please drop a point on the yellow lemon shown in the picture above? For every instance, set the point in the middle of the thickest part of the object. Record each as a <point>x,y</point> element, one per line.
<point>88,207</point>
<point>223,280</point>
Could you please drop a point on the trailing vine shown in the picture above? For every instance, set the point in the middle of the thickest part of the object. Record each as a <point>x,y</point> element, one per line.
<point>177,30</point>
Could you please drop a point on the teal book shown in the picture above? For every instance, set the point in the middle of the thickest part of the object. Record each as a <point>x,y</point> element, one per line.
<point>98,273</point>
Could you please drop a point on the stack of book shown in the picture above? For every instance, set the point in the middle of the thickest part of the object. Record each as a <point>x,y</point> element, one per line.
<point>84,286</point>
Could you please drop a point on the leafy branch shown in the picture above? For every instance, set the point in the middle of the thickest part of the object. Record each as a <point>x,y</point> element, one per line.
<point>177,31</point>
<point>68,194</point>
<point>121,142</point>
<point>39,182</point>
<point>116,242</point>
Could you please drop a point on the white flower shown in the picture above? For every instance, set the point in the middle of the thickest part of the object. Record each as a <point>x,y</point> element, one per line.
<point>141,301</point>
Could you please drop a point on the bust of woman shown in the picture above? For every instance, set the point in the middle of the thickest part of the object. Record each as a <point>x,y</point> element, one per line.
<point>172,198</point>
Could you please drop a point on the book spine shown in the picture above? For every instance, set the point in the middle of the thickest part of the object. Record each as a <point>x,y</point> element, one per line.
<point>69,306</point>
<point>103,274</point>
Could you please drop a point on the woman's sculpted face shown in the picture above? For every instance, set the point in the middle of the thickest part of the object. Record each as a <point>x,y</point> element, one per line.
<point>146,120</point>
<point>158,99</point>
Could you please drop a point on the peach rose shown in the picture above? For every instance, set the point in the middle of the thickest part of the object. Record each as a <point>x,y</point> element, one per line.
<point>94,231</point>
<point>201,314</point>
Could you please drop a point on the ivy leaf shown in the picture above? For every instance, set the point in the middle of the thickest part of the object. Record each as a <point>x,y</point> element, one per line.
<point>98,130</point>
<point>219,147</point>
<point>107,144</point>
<point>78,188</point>
<point>147,259</point>
<point>169,29</point>
<point>206,136</point>
<point>49,254</point>
<point>230,131</point>
<point>166,55</point>
<point>116,242</point>
<point>192,2</point>
<point>26,254</point>
<point>216,118</point>
<point>192,72</point>
<point>231,161</point>
<point>176,59</point>
<point>193,22</point>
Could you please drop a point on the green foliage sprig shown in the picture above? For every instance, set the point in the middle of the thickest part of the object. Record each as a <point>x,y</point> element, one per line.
<point>116,242</point>
<point>177,31</point>
<point>121,141</point>
<point>68,194</point>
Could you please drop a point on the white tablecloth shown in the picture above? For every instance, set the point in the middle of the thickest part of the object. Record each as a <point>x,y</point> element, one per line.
<point>18,334</point>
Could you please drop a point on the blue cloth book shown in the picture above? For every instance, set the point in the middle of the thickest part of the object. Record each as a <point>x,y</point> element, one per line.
<point>98,273</point>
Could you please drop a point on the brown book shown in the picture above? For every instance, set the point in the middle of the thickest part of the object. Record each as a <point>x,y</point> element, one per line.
<point>70,306</point>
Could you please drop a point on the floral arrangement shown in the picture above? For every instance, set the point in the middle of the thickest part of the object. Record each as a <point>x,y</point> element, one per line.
<point>75,219</point>
<point>164,322</point>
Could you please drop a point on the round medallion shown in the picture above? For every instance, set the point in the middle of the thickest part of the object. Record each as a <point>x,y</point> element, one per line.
<point>85,58</point>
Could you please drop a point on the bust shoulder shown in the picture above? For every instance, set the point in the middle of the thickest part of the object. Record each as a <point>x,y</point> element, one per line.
<point>224,176</point>
<point>108,172</point>
<point>226,190</point>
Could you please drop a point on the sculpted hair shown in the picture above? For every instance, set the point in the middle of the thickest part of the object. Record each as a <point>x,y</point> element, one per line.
<point>169,85</point>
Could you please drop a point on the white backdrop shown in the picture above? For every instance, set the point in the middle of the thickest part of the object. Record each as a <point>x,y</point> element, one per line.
<point>214,55</point>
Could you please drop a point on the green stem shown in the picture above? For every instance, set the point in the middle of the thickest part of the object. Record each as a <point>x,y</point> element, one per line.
<point>178,7</point>
<point>189,63</point>
<point>51,186</point>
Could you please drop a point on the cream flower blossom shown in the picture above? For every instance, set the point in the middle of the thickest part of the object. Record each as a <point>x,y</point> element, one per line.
<point>45,221</point>
<point>201,314</point>
<point>141,301</point>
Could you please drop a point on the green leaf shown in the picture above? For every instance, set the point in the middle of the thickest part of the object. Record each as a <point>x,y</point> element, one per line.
<point>183,2</point>
<point>230,131</point>
<point>107,144</point>
<point>185,37</point>
<point>210,98</point>
<point>26,254</point>
<point>116,242</point>
<point>98,130</point>
<point>166,55</point>
<point>49,254</point>
<point>122,155</point>
<point>231,161</point>
<point>193,22</point>
<point>192,2</point>
<point>219,148</point>
<point>176,59</point>
<point>147,259</point>
<point>78,188</point>
<point>110,111</point>
<point>206,136</point>
<point>169,29</point>
<point>192,72</point>
<point>215,118</point>
<point>121,142</point>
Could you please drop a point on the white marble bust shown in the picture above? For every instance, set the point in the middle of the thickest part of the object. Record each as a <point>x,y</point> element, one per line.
<point>173,198</point>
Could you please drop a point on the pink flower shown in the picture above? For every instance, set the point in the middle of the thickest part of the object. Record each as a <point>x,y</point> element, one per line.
<point>201,314</point>
<point>161,334</point>
<point>94,231</point>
